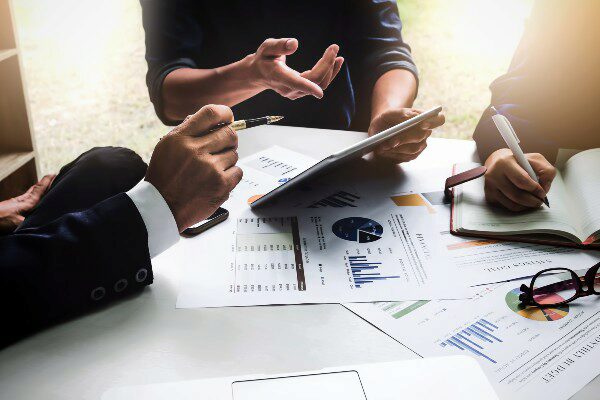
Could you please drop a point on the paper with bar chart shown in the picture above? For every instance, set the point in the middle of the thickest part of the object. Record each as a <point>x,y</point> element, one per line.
<point>320,257</point>
<point>526,352</point>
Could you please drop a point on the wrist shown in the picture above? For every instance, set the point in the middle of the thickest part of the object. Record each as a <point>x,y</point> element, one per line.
<point>250,72</point>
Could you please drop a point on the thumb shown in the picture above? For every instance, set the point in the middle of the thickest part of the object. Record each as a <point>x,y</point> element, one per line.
<point>278,47</point>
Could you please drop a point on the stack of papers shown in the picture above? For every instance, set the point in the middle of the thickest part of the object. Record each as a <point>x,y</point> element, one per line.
<point>384,248</point>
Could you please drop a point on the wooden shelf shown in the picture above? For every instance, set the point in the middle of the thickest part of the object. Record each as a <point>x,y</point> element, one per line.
<point>4,54</point>
<point>10,162</point>
<point>19,166</point>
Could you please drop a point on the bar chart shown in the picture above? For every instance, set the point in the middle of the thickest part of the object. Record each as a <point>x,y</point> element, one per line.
<point>475,338</point>
<point>364,271</point>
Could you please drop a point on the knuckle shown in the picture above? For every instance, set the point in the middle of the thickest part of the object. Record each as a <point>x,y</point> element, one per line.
<point>210,113</point>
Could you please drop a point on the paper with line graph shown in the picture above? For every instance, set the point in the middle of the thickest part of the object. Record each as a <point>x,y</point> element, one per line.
<point>317,256</point>
<point>526,352</point>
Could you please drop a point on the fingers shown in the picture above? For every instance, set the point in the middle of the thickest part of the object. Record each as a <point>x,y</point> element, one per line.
<point>219,141</point>
<point>277,47</point>
<point>289,81</point>
<point>500,198</point>
<point>324,66</point>
<point>508,184</point>
<point>516,195</point>
<point>544,170</point>
<point>403,153</point>
<point>40,188</point>
<point>395,116</point>
<point>203,120</point>
<point>433,122</point>
<point>414,135</point>
<point>337,66</point>
<point>226,160</point>
<point>521,180</point>
<point>32,197</point>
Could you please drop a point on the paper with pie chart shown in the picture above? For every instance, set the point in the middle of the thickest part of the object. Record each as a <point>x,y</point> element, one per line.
<point>526,352</point>
<point>317,256</point>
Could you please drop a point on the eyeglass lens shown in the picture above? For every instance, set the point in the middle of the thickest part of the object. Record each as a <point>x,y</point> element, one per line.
<point>555,286</point>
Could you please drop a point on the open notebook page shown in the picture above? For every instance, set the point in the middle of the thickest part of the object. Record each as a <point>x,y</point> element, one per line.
<point>472,213</point>
<point>582,184</point>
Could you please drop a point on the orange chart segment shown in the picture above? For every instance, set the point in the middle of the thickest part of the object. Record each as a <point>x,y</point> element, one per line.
<point>536,313</point>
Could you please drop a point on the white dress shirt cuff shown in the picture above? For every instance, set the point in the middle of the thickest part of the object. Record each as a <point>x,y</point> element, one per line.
<point>157,216</point>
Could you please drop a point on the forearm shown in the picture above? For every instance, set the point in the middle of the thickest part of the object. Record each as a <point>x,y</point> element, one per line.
<point>186,90</point>
<point>393,90</point>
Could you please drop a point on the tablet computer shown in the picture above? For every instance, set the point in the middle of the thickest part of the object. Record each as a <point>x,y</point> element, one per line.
<point>356,150</point>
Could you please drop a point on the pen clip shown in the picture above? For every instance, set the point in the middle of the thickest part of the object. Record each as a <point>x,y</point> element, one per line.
<point>512,130</point>
<point>506,122</point>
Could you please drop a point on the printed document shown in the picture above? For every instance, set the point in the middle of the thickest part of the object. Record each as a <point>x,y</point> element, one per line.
<point>320,257</point>
<point>526,352</point>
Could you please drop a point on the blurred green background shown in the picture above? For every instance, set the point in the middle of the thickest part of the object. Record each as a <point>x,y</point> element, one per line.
<point>85,69</point>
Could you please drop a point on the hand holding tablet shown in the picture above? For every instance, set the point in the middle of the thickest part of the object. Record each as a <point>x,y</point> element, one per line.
<point>356,150</point>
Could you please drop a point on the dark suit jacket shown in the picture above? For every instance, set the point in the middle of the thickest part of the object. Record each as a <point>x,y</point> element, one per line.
<point>75,263</point>
<point>551,93</point>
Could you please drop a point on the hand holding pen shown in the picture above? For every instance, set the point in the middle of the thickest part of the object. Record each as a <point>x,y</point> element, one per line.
<point>515,180</point>
<point>194,166</point>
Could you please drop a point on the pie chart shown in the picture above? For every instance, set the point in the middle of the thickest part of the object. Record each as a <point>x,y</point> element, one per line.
<point>358,229</point>
<point>536,313</point>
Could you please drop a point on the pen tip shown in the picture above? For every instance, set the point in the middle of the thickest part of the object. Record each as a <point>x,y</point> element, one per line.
<point>494,110</point>
<point>275,118</point>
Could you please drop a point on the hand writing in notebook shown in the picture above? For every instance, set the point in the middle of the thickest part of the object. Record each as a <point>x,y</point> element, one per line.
<point>508,185</point>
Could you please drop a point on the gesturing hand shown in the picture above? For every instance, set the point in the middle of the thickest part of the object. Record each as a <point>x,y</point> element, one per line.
<point>13,211</point>
<point>196,174</point>
<point>271,71</point>
<point>507,184</point>
<point>409,144</point>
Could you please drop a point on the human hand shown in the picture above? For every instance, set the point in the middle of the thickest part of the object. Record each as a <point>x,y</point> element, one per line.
<point>196,174</point>
<point>407,145</point>
<point>507,184</point>
<point>13,211</point>
<point>271,72</point>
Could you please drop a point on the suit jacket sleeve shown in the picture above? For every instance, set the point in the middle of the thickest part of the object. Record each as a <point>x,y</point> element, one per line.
<point>73,264</point>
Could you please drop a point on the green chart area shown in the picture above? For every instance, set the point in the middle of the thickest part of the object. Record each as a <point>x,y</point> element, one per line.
<point>398,309</point>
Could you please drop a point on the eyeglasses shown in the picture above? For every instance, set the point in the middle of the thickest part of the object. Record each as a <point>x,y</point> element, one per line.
<point>557,286</point>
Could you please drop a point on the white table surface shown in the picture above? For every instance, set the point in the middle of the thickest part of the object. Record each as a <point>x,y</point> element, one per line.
<point>144,339</point>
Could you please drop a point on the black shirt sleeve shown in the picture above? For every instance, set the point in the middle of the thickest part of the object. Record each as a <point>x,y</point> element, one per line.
<point>173,35</point>
<point>73,264</point>
<point>375,41</point>
<point>374,46</point>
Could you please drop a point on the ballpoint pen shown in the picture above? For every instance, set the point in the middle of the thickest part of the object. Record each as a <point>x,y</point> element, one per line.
<point>247,123</point>
<point>512,141</point>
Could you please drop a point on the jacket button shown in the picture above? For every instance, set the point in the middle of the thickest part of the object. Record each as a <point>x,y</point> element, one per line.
<point>98,293</point>
<point>120,285</point>
<point>141,275</point>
